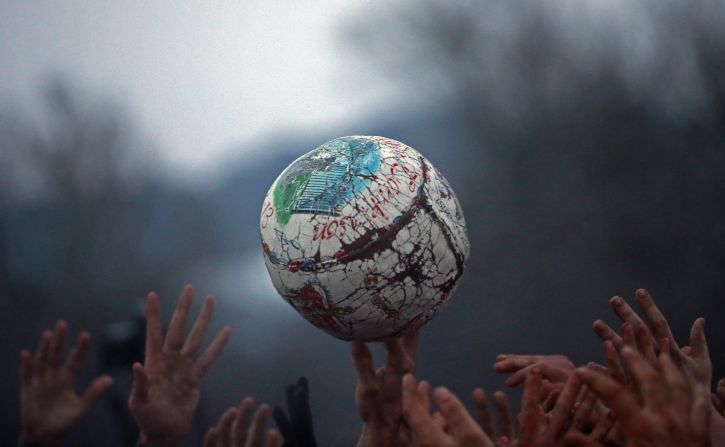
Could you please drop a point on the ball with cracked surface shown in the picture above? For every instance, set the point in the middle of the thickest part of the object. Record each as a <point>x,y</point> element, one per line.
<point>364,238</point>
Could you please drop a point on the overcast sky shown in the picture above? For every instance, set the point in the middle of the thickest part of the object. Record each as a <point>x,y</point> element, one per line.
<point>202,78</point>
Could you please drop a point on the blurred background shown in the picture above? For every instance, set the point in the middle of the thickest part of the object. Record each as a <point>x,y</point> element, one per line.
<point>585,140</point>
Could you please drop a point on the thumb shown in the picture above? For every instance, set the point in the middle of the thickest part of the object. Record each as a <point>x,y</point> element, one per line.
<point>139,391</point>
<point>96,389</point>
<point>698,342</point>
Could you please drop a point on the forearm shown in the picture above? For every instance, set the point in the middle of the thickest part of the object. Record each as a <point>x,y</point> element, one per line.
<point>379,437</point>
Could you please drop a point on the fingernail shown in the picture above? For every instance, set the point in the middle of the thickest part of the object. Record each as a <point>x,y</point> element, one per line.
<point>442,393</point>
<point>616,301</point>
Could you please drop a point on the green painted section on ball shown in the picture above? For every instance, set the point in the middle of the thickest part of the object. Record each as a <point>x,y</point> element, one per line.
<point>286,194</point>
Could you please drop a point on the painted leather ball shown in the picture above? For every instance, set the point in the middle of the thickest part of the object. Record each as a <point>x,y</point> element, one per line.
<point>364,238</point>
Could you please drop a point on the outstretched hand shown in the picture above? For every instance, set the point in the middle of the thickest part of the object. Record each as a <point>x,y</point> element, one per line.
<point>646,333</point>
<point>49,404</point>
<point>379,395</point>
<point>665,408</point>
<point>238,428</point>
<point>297,429</point>
<point>451,426</point>
<point>554,368</point>
<point>503,431</point>
<point>165,390</point>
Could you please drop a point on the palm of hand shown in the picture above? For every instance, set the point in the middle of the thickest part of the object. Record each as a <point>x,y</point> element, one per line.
<point>381,402</point>
<point>379,396</point>
<point>665,429</point>
<point>165,390</point>
<point>52,403</point>
<point>173,395</point>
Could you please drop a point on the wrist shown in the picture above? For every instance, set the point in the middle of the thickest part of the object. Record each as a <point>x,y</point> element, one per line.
<point>156,441</point>
<point>378,435</point>
<point>28,438</point>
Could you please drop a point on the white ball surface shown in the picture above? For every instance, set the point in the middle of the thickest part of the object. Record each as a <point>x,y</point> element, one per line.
<point>364,238</point>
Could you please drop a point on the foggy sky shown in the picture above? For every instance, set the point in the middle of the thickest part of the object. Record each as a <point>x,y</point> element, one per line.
<point>203,79</point>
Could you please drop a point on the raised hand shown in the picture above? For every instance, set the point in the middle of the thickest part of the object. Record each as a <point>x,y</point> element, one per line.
<point>379,396</point>
<point>644,333</point>
<point>539,429</point>
<point>452,426</point>
<point>49,404</point>
<point>664,408</point>
<point>165,390</point>
<point>297,429</point>
<point>554,368</point>
<point>237,428</point>
<point>503,431</point>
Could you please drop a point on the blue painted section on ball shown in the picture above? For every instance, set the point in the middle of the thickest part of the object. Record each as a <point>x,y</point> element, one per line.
<point>340,169</point>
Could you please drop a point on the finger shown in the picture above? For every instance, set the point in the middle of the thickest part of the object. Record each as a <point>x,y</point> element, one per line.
<point>290,397</point>
<point>482,414</point>
<point>646,378</point>
<point>550,400</point>
<point>198,331</point>
<point>153,326</point>
<point>613,394</point>
<point>720,390</point>
<point>303,414</point>
<point>465,430</point>
<point>550,390</point>
<point>224,427</point>
<point>42,354</point>
<point>604,424</point>
<point>530,408</point>
<point>562,413</point>
<point>440,421</point>
<point>58,343</point>
<point>628,336</point>
<point>283,424</point>
<point>139,390</point>
<point>423,391</point>
<point>519,376</point>
<point>211,437</point>
<point>528,358</point>
<point>255,435</point>
<point>614,365</point>
<point>175,332</point>
<point>698,342</point>
<point>514,363</point>
<point>605,332</point>
<point>214,349</point>
<point>76,357</point>
<point>701,414</point>
<point>363,362</point>
<point>578,439</point>
<point>597,367</point>
<point>397,359</point>
<point>26,367</point>
<point>96,389</point>
<point>504,421</point>
<point>677,384</point>
<point>410,344</point>
<point>271,438</point>
<point>417,417</point>
<point>645,343</point>
<point>583,412</point>
<point>624,311</point>
<point>655,320</point>
<point>718,403</point>
<point>244,418</point>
